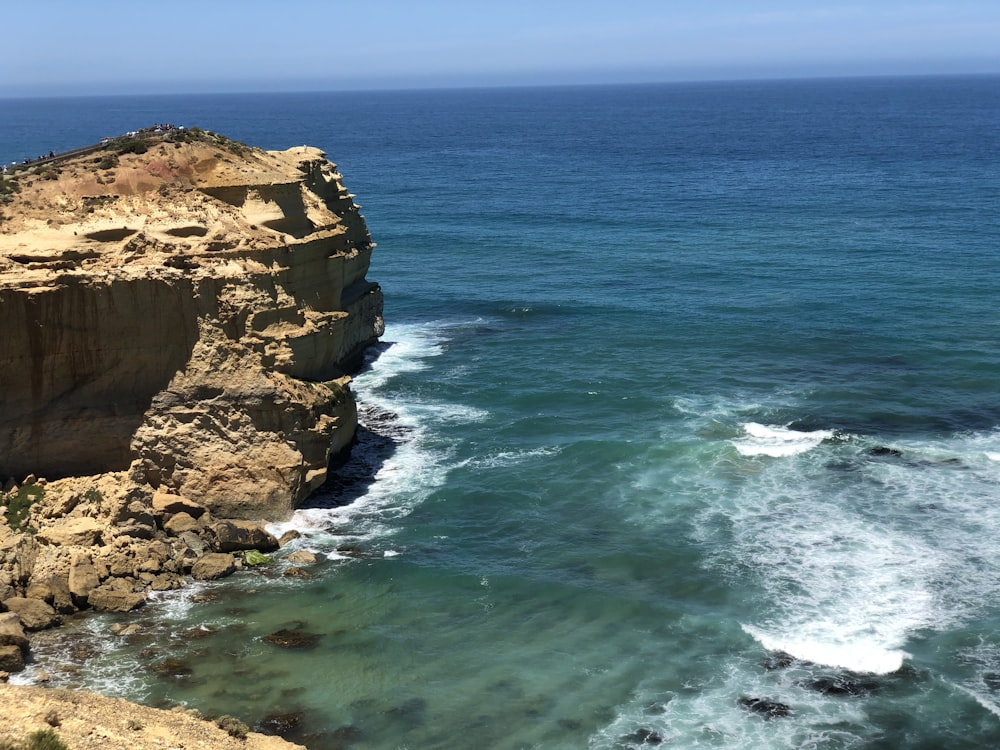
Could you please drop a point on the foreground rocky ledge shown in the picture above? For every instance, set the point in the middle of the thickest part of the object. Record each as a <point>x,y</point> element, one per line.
<point>85,721</point>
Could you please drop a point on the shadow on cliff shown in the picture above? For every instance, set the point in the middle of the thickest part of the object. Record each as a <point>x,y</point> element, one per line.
<point>352,472</point>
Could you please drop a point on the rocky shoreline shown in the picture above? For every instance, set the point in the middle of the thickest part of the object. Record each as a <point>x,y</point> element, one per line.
<point>104,543</point>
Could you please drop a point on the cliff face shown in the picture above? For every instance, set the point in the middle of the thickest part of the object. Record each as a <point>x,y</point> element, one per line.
<point>188,313</point>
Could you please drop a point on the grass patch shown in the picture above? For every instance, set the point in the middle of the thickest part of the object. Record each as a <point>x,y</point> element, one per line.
<point>43,739</point>
<point>192,135</point>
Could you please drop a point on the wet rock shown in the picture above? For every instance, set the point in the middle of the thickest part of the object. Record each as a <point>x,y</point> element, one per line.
<point>349,549</point>
<point>295,572</point>
<point>212,566</point>
<point>11,659</point>
<point>173,668</point>
<point>197,633</point>
<point>233,536</point>
<point>12,631</point>
<point>643,737</point>
<point>72,532</point>
<point>281,724</point>
<point>842,685</point>
<point>123,630</point>
<point>289,536</point>
<point>117,595</point>
<point>299,639</point>
<point>769,709</point>
<point>34,613</point>
<point>884,451</point>
<point>778,660</point>
<point>992,680</point>
<point>166,582</point>
<point>302,557</point>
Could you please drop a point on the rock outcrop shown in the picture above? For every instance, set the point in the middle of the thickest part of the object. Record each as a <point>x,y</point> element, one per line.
<point>188,314</point>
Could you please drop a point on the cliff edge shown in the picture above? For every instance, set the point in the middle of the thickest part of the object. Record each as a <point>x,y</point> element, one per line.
<point>185,308</point>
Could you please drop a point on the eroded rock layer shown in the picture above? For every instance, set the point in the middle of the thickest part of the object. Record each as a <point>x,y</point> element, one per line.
<point>188,313</point>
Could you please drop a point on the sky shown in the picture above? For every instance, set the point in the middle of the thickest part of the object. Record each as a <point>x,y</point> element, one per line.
<point>87,47</point>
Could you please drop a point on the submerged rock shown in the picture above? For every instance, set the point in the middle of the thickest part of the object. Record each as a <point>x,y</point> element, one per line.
<point>280,724</point>
<point>292,639</point>
<point>848,685</point>
<point>766,707</point>
<point>173,668</point>
<point>643,736</point>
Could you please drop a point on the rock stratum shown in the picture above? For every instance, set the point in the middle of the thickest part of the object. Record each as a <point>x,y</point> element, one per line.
<point>187,315</point>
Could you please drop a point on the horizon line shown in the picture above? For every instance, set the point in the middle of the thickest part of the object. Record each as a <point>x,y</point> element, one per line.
<point>508,86</point>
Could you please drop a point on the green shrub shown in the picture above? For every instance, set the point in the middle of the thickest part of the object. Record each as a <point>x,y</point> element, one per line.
<point>19,505</point>
<point>234,726</point>
<point>130,146</point>
<point>44,739</point>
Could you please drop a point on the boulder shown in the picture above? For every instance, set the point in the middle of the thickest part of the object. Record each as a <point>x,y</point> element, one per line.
<point>62,599</point>
<point>232,536</point>
<point>136,531</point>
<point>178,523</point>
<point>12,632</point>
<point>302,557</point>
<point>213,565</point>
<point>136,512</point>
<point>34,613</point>
<point>11,659</point>
<point>83,577</point>
<point>116,595</point>
<point>166,582</point>
<point>72,532</point>
<point>289,536</point>
<point>166,503</point>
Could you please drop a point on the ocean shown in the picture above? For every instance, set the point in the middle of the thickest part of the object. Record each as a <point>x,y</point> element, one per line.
<point>684,430</point>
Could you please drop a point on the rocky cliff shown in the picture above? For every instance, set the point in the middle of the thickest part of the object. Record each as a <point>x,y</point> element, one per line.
<point>188,314</point>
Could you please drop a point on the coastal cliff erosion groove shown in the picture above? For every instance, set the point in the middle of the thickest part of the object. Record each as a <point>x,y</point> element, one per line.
<point>189,313</point>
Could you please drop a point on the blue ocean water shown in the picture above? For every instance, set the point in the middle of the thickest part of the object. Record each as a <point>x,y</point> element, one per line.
<point>688,399</point>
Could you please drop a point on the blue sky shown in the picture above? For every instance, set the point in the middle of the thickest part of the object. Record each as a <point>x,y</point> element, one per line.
<point>66,47</point>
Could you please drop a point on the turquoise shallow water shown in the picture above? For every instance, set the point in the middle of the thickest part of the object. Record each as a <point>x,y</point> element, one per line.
<point>688,397</point>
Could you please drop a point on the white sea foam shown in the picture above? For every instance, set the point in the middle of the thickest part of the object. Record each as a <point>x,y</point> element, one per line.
<point>418,461</point>
<point>512,458</point>
<point>852,553</point>
<point>765,440</point>
<point>858,654</point>
<point>710,714</point>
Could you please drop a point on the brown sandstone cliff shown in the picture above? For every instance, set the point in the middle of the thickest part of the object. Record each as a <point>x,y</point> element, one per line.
<point>188,314</point>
